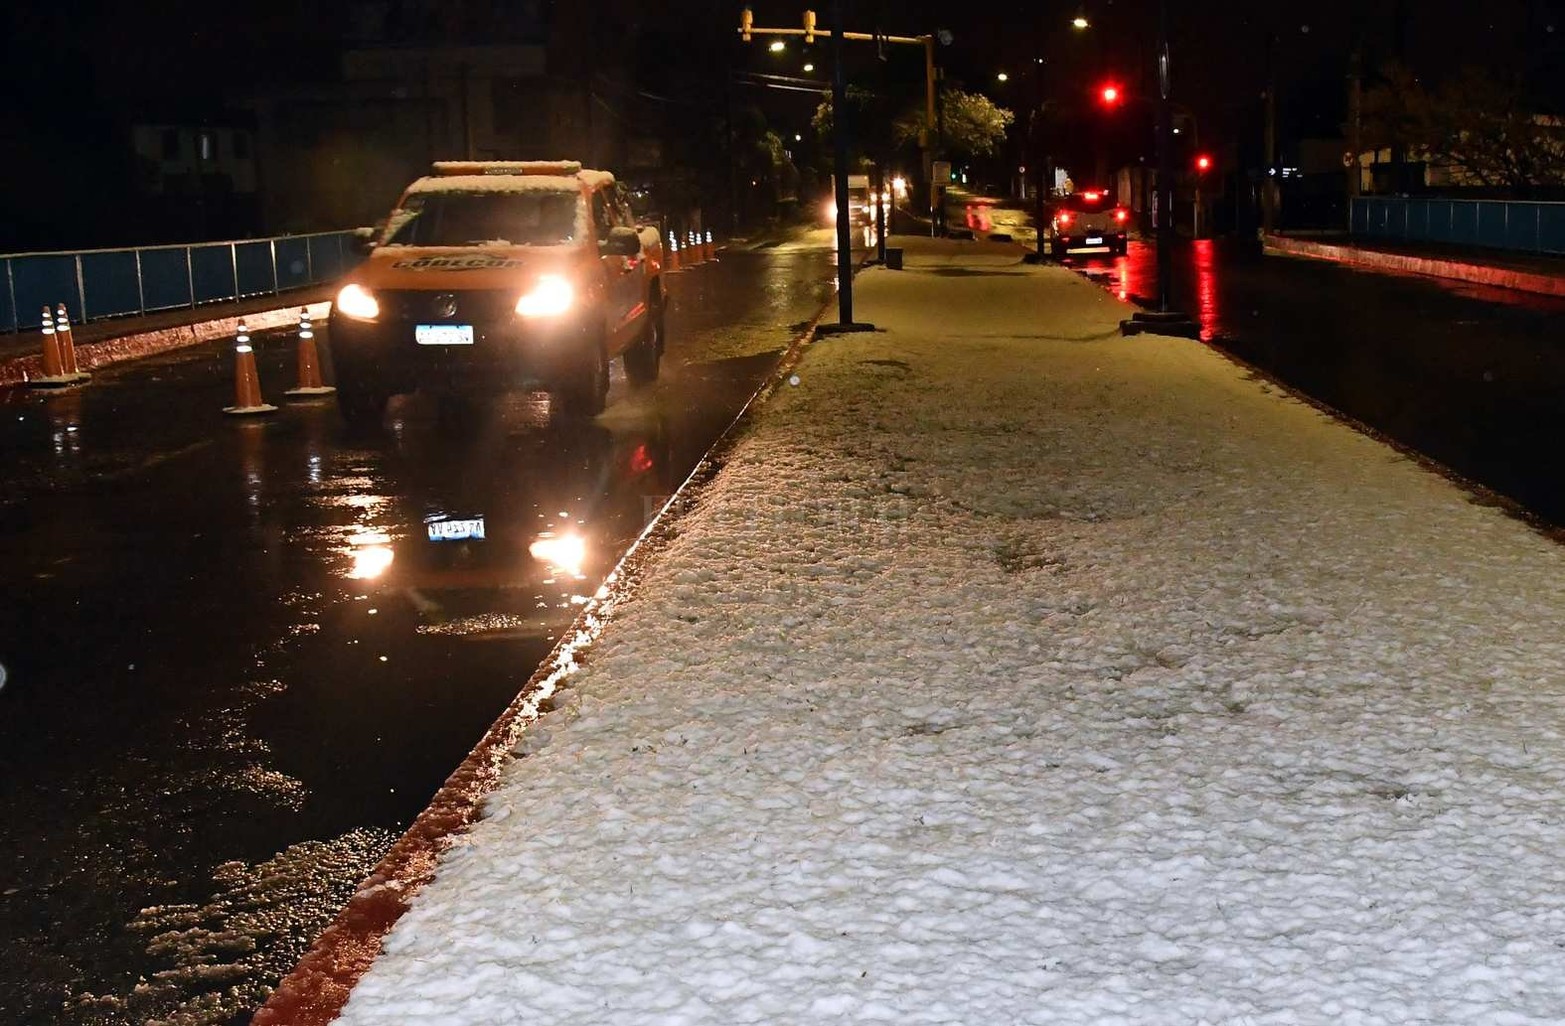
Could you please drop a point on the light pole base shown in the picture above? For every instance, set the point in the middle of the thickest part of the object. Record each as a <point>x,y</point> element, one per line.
<point>1164,322</point>
<point>822,330</point>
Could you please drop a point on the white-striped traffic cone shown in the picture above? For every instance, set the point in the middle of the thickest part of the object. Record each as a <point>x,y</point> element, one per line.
<point>55,373</point>
<point>247,384</point>
<point>310,384</point>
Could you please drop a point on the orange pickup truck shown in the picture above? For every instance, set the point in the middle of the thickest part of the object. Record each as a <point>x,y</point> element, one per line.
<point>500,275</point>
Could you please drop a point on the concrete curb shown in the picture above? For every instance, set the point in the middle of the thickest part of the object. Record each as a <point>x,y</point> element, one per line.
<point>1482,274</point>
<point>315,992</point>
<point>136,345</point>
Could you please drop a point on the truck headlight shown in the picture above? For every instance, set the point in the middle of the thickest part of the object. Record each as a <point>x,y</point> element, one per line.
<point>357,302</point>
<point>550,296</point>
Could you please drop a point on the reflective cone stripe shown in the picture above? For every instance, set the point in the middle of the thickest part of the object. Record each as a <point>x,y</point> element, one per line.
<point>309,362</point>
<point>247,383</point>
<point>53,360</point>
<point>67,341</point>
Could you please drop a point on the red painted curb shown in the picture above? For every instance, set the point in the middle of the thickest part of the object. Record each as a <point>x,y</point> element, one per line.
<point>316,991</point>
<point>1481,274</point>
<point>91,355</point>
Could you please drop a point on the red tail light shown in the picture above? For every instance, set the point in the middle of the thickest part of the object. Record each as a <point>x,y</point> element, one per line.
<point>1062,218</point>
<point>1121,215</point>
<point>1090,196</point>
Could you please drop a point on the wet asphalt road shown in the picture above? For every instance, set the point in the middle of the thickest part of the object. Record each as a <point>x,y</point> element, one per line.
<point>241,656</point>
<point>1471,376</point>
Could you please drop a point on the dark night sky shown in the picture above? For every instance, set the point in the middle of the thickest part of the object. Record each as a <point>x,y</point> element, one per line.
<point>75,68</point>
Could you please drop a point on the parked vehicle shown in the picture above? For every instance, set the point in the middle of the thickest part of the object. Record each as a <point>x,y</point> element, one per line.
<point>1089,222</point>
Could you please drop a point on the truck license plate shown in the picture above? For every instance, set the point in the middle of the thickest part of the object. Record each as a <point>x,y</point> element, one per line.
<point>456,530</point>
<point>443,334</point>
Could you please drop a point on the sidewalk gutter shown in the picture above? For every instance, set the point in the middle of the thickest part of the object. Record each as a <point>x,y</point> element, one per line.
<point>315,992</point>
<point>135,345</point>
<point>1379,260</point>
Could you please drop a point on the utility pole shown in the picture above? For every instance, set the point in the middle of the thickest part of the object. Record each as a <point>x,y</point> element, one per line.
<point>1269,145</point>
<point>1355,126</point>
<point>1035,154</point>
<point>1165,161</point>
<point>1163,321</point>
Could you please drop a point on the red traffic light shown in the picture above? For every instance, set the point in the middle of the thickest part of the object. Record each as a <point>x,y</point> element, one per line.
<point>1110,94</point>
<point>1203,163</point>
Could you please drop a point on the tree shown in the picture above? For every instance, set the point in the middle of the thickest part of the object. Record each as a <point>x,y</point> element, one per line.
<point>972,124</point>
<point>869,125</point>
<point>1484,126</point>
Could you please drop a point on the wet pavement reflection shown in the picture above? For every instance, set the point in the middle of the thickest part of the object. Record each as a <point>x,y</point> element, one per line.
<point>1468,375</point>
<point>240,657</point>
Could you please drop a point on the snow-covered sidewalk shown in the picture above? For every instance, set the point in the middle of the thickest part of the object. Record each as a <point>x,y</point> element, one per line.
<point>1016,672</point>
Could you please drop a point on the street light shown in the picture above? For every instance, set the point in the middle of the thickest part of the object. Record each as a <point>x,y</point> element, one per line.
<point>1002,77</point>
<point>777,46</point>
<point>1080,22</point>
<point>808,68</point>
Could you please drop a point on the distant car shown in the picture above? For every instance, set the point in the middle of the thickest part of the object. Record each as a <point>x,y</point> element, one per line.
<point>497,275</point>
<point>1089,222</point>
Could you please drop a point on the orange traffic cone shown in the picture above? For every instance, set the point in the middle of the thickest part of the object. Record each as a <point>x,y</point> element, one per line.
<point>247,384</point>
<point>67,340</point>
<point>54,373</point>
<point>693,248</point>
<point>671,253</point>
<point>310,384</point>
<point>711,247</point>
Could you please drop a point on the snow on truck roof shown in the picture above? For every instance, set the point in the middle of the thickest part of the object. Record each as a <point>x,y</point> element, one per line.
<point>510,176</point>
<point>507,167</point>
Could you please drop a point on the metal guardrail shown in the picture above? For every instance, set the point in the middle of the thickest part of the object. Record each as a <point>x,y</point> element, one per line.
<point>98,283</point>
<point>1520,226</point>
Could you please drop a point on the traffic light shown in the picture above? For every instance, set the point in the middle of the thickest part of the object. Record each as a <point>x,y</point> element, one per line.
<point>746,21</point>
<point>809,27</point>
<point>1109,94</point>
<point>1203,163</point>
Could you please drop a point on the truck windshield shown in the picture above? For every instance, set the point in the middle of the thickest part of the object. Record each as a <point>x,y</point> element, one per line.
<point>534,218</point>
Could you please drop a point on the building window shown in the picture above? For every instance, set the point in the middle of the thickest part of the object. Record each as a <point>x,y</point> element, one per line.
<point>170,144</point>
<point>206,145</point>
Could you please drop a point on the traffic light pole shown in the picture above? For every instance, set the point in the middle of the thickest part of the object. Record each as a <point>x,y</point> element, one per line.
<point>839,106</point>
<point>839,134</point>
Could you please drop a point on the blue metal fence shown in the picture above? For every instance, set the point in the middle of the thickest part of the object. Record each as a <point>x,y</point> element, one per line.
<point>1524,227</point>
<point>98,283</point>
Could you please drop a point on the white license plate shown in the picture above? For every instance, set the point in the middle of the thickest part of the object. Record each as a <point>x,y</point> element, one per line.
<point>443,334</point>
<point>456,530</point>
<point>1095,240</point>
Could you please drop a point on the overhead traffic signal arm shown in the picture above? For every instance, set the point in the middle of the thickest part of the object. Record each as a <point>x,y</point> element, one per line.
<point>748,29</point>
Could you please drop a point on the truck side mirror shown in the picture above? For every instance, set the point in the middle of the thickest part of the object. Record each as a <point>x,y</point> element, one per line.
<point>621,242</point>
